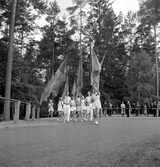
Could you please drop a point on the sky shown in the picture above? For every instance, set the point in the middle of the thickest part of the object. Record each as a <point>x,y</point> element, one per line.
<point>119,5</point>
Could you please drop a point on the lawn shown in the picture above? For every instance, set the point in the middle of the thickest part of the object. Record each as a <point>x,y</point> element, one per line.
<point>115,142</point>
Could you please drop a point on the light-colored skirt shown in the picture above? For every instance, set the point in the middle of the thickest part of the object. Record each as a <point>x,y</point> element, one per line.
<point>73,108</point>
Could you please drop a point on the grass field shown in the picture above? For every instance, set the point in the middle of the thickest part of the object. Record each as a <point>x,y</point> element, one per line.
<point>115,142</point>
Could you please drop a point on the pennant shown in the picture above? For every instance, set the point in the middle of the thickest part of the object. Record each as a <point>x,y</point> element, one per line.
<point>54,83</point>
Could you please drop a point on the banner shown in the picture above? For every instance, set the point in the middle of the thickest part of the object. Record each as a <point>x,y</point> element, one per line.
<point>54,83</point>
<point>95,69</point>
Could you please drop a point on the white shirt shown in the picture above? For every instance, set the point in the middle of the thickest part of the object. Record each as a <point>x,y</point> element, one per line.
<point>123,105</point>
<point>67,100</point>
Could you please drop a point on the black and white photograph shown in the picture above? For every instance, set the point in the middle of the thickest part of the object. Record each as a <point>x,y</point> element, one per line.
<point>79,83</point>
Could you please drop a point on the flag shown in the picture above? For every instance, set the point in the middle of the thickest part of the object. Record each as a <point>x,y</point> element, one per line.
<point>78,83</point>
<point>74,90</point>
<point>54,83</point>
<point>66,88</point>
<point>79,80</point>
<point>95,69</point>
<point>45,92</point>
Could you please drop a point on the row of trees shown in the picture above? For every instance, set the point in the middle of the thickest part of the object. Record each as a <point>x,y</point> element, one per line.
<point>129,43</point>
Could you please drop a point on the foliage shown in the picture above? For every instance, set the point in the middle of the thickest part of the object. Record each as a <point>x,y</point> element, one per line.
<point>127,43</point>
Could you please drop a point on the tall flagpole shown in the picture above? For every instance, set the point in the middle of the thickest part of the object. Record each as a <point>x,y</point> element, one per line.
<point>81,41</point>
<point>66,75</point>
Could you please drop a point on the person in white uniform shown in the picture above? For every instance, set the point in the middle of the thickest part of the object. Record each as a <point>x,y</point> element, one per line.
<point>66,106</point>
<point>83,109</point>
<point>96,103</point>
<point>73,108</point>
<point>50,109</point>
<point>78,104</point>
<point>89,106</point>
<point>123,106</point>
<point>60,109</point>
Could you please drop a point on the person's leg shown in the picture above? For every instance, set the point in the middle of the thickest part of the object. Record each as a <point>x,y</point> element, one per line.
<point>97,115</point>
<point>68,113</point>
<point>58,117</point>
<point>91,114</point>
<point>64,115</point>
<point>81,114</point>
<point>87,113</point>
<point>48,114</point>
<point>74,115</point>
<point>51,114</point>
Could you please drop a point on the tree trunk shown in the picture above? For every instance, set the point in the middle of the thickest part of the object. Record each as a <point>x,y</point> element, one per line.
<point>9,63</point>
<point>156,58</point>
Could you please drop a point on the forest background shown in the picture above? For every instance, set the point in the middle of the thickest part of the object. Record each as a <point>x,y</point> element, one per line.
<point>128,43</point>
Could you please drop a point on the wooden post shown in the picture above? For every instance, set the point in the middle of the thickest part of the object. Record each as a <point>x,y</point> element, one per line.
<point>33,112</point>
<point>28,112</point>
<point>16,114</point>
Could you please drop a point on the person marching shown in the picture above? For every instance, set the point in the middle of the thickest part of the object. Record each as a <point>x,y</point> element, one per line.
<point>89,106</point>
<point>83,109</point>
<point>96,104</point>
<point>78,103</point>
<point>67,102</point>
<point>60,109</point>
<point>123,106</point>
<point>73,107</point>
<point>50,109</point>
<point>128,109</point>
<point>105,108</point>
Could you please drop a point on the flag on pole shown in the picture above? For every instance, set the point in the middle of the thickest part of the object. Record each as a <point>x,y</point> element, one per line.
<point>78,83</point>
<point>74,89</point>
<point>95,69</point>
<point>45,92</point>
<point>66,88</point>
<point>54,83</point>
<point>80,75</point>
<point>97,79</point>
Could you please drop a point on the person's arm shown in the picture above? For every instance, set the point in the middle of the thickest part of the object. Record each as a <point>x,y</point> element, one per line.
<point>96,90</point>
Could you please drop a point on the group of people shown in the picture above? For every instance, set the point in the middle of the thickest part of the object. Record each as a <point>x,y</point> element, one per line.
<point>89,107</point>
<point>128,108</point>
<point>137,109</point>
<point>79,108</point>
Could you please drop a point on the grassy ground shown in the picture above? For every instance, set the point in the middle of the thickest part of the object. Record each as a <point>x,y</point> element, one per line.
<point>115,142</point>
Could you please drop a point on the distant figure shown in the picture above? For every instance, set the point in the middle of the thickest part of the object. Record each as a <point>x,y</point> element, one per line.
<point>60,109</point>
<point>66,106</point>
<point>73,107</point>
<point>78,104</point>
<point>138,109</point>
<point>128,108</point>
<point>89,106</point>
<point>123,106</point>
<point>158,107</point>
<point>145,110</point>
<point>96,104</point>
<point>105,105</point>
<point>109,108</point>
<point>83,109</point>
<point>50,109</point>
<point>154,108</point>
